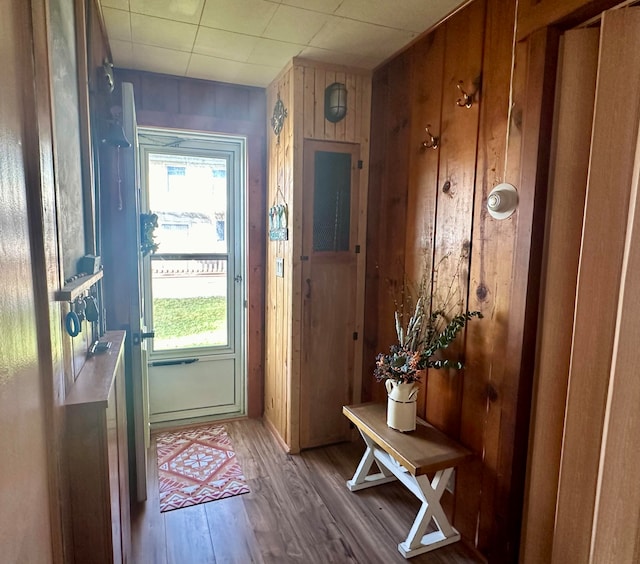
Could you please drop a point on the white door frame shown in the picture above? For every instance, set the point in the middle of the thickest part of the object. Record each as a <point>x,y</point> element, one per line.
<point>233,148</point>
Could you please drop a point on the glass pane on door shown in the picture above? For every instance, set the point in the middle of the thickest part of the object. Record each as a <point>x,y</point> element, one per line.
<point>189,306</point>
<point>190,271</point>
<point>331,201</point>
<point>189,195</point>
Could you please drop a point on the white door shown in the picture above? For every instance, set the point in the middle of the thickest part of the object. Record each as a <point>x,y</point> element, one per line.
<point>194,281</point>
<point>131,197</point>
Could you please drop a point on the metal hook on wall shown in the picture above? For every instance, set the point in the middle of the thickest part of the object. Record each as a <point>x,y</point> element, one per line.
<point>467,99</point>
<point>432,141</point>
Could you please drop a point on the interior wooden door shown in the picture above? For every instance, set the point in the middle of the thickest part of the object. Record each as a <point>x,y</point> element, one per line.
<point>330,227</point>
<point>565,211</point>
<point>601,306</point>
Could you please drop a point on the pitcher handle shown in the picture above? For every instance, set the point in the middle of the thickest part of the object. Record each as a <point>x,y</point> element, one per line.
<point>388,383</point>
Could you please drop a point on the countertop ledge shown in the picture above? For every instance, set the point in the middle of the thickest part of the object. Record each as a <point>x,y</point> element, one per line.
<point>96,378</point>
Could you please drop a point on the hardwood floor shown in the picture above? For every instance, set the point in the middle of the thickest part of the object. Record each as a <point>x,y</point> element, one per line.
<point>299,510</point>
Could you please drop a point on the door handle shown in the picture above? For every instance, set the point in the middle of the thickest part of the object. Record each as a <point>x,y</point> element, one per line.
<point>308,296</point>
<point>139,337</point>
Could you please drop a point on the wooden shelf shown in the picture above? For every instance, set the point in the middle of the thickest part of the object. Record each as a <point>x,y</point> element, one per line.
<point>72,290</point>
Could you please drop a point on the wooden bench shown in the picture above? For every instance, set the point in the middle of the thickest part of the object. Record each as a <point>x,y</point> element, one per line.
<point>408,457</point>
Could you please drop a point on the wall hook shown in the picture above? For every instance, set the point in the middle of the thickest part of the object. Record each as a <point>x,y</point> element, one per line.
<point>432,141</point>
<point>467,99</point>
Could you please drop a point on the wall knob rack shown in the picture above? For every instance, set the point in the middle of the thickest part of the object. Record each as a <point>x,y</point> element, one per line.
<point>81,306</point>
<point>78,286</point>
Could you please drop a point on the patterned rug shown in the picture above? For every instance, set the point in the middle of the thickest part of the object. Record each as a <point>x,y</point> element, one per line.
<point>196,466</point>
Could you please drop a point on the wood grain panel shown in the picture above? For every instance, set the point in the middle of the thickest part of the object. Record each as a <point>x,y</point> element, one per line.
<point>361,133</point>
<point>528,162</point>
<point>375,243</point>
<point>457,166</point>
<point>616,524</point>
<point>318,116</point>
<point>565,211</point>
<point>534,15</point>
<point>341,126</point>
<point>427,60</point>
<point>298,190</point>
<point>309,102</point>
<point>489,281</point>
<point>608,193</point>
<point>387,211</point>
<point>279,191</point>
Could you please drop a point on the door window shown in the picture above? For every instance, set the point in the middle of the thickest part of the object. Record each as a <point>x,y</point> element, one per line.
<point>189,273</point>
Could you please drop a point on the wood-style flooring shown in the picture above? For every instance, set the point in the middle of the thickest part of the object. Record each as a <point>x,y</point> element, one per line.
<point>299,510</point>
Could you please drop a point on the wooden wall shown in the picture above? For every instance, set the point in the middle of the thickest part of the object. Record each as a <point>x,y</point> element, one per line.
<point>279,298</point>
<point>486,406</point>
<point>301,87</point>
<point>199,105</point>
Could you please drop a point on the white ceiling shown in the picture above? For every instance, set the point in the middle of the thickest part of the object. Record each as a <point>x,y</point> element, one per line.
<point>250,41</point>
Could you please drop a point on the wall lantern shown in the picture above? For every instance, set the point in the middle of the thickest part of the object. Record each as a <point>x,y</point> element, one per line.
<point>335,102</point>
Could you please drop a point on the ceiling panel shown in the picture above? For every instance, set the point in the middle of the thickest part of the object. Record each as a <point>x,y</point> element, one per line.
<point>157,59</point>
<point>120,4</point>
<point>118,23</point>
<point>295,25</point>
<point>357,38</point>
<point>250,41</point>
<point>324,6</point>
<point>159,32</point>
<point>244,16</point>
<point>413,15</point>
<point>189,11</point>
<point>224,44</point>
<point>274,53</point>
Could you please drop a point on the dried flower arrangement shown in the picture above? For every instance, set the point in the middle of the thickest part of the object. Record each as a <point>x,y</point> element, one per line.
<point>430,329</point>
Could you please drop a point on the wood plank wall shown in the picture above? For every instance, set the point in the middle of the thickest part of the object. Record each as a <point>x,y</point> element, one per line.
<point>489,408</point>
<point>301,87</point>
<point>199,105</point>
<point>279,298</point>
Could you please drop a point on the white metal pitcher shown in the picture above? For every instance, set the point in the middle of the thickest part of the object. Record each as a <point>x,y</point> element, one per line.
<point>401,404</point>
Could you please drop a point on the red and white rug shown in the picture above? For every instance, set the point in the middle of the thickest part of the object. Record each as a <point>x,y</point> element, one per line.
<point>196,466</point>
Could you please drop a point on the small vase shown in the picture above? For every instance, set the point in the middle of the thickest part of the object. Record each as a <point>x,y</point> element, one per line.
<point>401,405</point>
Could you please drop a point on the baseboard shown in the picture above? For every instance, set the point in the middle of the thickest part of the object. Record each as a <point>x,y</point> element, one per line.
<point>284,446</point>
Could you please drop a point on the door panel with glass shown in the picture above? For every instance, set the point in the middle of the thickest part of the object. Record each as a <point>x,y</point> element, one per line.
<point>194,279</point>
<point>329,271</point>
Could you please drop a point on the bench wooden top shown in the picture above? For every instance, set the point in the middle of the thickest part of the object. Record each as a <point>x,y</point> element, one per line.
<point>424,450</point>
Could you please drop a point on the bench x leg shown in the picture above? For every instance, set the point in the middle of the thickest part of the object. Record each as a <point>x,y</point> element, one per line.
<point>361,479</point>
<point>429,493</point>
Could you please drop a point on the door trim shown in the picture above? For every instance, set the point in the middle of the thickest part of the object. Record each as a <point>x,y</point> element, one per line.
<point>172,141</point>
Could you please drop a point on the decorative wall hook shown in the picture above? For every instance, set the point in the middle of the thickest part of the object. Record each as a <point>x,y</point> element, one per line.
<point>467,99</point>
<point>431,142</point>
<point>277,119</point>
<point>278,222</point>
